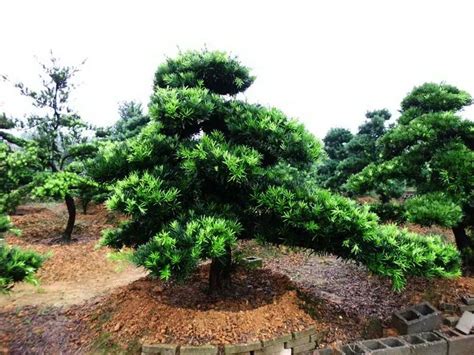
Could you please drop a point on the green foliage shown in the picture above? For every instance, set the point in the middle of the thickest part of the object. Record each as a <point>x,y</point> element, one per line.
<point>433,208</point>
<point>17,168</point>
<point>178,248</point>
<point>334,143</point>
<point>432,149</point>
<point>58,185</point>
<point>433,97</point>
<point>17,265</point>
<point>216,71</point>
<point>351,156</point>
<point>389,212</point>
<point>208,170</point>
<point>334,224</point>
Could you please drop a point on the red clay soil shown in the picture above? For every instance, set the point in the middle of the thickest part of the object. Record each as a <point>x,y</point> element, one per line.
<point>113,311</point>
<point>260,305</point>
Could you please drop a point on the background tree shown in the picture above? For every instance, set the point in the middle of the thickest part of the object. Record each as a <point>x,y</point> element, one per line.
<point>131,121</point>
<point>16,167</point>
<point>334,145</point>
<point>353,156</point>
<point>431,147</point>
<point>59,134</point>
<point>209,169</point>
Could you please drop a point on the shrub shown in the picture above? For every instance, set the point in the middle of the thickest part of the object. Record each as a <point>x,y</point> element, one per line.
<point>17,265</point>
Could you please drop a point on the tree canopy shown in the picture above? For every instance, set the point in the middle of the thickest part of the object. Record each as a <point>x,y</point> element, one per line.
<point>431,147</point>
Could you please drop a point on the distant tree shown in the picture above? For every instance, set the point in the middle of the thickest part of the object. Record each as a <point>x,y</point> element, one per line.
<point>209,169</point>
<point>335,142</point>
<point>59,135</point>
<point>349,154</point>
<point>131,121</point>
<point>431,147</point>
<point>334,146</point>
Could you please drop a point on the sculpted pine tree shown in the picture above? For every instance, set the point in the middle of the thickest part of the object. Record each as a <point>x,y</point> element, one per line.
<point>432,148</point>
<point>57,133</point>
<point>209,169</point>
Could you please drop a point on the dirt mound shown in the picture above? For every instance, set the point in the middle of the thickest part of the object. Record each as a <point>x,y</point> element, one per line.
<point>261,305</point>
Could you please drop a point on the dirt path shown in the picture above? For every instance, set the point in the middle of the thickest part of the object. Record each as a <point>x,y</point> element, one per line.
<point>65,293</point>
<point>72,273</point>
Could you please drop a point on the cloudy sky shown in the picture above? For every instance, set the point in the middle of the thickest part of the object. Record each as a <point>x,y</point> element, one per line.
<point>323,62</point>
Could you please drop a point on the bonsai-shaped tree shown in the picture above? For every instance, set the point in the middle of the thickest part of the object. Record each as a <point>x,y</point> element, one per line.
<point>209,169</point>
<point>59,136</point>
<point>432,148</point>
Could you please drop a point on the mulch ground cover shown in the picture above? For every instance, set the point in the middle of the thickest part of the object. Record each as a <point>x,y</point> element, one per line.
<point>293,290</point>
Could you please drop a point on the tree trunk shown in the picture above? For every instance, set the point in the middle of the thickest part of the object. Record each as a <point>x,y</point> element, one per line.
<point>220,273</point>
<point>71,209</point>
<point>462,240</point>
<point>84,204</point>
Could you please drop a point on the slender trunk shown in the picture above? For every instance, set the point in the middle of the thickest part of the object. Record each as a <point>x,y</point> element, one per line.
<point>71,209</point>
<point>462,240</point>
<point>84,204</point>
<point>220,273</point>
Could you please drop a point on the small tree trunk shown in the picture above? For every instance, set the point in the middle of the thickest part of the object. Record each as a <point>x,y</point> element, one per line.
<point>71,209</point>
<point>220,273</point>
<point>84,204</point>
<point>462,240</point>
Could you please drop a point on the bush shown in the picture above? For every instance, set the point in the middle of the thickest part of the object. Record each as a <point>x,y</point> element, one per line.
<point>17,265</point>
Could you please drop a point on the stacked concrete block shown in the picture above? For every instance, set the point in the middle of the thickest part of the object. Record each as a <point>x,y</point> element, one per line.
<point>458,344</point>
<point>426,344</point>
<point>159,349</point>
<point>198,350</point>
<point>417,344</point>
<point>383,346</point>
<point>302,342</point>
<point>419,318</point>
<point>242,349</point>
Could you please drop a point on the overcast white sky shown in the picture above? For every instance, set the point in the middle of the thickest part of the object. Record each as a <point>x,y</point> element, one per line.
<point>323,62</point>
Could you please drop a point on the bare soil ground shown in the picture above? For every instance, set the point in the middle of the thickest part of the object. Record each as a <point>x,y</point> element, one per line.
<point>87,303</point>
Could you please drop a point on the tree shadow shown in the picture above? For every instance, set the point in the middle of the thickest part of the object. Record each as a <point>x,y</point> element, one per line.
<point>250,289</point>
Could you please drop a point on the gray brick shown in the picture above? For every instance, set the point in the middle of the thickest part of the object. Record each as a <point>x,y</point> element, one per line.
<point>273,349</point>
<point>419,318</point>
<point>458,344</point>
<point>161,349</point>
<point>466,323</point>
<point>427,344</point>
<point>303,348</point>
<point>297,342</point>
<point>280,340</point>
<point>201,350</point>
<point>242,348</point>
